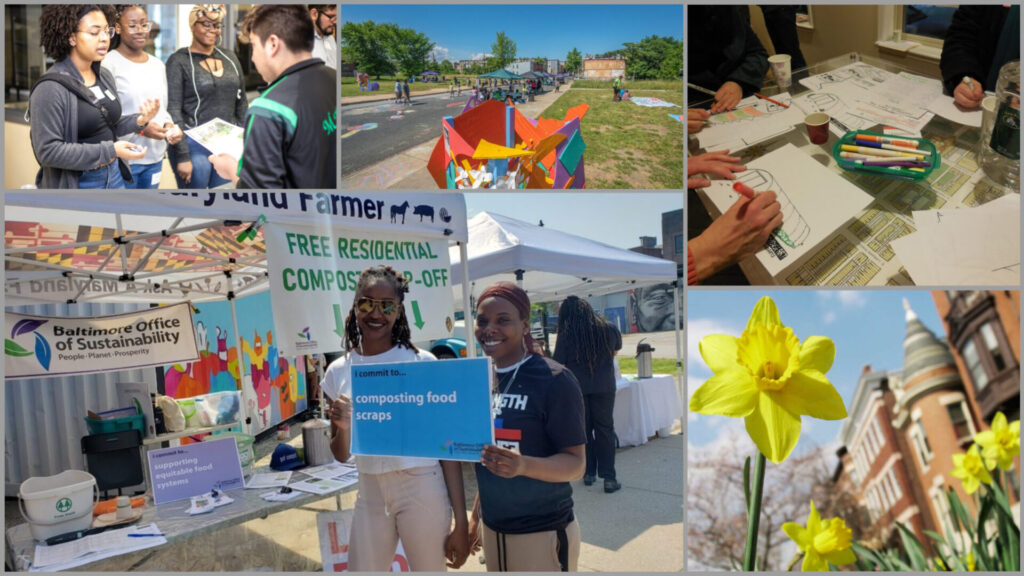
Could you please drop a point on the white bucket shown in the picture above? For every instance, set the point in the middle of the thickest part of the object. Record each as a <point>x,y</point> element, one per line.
<point>58,504</point>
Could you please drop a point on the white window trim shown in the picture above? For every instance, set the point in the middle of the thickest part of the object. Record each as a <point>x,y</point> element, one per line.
<point>809,25</point>
<point>891,36</point>
<point>919,446</point>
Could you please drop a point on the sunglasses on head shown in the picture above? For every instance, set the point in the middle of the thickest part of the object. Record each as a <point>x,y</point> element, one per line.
<point>386,307</point>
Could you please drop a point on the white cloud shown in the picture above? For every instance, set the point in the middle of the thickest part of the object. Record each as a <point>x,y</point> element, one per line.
<point>439,53</point>
<point>480,56</point>
<point>852,298</point>
<point>829,317</point>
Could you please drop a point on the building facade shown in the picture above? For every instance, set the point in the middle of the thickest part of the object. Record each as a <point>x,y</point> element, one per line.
<point>903,429</point>
<point>604,68</point>
<point>524,65</point>
<point>554,67</point>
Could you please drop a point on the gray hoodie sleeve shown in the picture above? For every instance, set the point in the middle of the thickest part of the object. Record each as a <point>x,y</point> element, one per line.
<point>176,79</point>
<point>49,113</point>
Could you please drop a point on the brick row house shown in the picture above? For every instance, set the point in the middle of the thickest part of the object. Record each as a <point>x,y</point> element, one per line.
<point>905,425</point>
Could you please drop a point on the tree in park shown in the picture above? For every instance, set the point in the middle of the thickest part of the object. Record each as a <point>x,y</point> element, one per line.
<point>504,50</point>
<point>363,43</point>
<point>573,61</point>
<point>407,49</point>
<point>447,67</point>
<point>654,57</point>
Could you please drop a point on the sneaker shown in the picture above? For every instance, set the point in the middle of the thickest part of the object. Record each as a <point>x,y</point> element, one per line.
<point>611,486</point>
<point>588,480</point>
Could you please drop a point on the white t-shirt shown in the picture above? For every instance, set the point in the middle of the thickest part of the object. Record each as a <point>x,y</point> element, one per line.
<point>136,83</point>
<point>338,380</point>
<point>326,49</point>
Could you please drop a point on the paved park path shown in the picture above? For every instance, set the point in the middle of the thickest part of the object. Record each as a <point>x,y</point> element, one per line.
<point>394,153</point>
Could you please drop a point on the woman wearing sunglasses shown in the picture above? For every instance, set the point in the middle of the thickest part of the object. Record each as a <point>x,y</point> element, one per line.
<point>203,83</point>
<point>75,116</point>
<point>141,77</point>
<point>408,498</point>
<point>523,514</point>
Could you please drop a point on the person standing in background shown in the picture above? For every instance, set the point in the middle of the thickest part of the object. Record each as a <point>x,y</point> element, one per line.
<point>325,22</point>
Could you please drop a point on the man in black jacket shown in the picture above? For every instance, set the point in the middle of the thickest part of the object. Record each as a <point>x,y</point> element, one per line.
<point>725,55</point>
<point>290,130</point>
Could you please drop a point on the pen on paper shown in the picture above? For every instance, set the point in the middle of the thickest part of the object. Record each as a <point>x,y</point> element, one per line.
<point>143,535</point>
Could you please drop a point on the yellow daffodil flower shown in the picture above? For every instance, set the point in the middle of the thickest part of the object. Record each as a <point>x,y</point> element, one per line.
<point>821,541</point>
<point>970,469</point>
<point>1001,443</point>
<point>768,378</point>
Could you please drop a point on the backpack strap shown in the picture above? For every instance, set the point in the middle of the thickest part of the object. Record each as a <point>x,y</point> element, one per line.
<point>79,89</point>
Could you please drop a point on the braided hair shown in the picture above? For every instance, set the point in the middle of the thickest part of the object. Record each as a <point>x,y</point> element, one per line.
<point>582,336</point>
<point>401,334</point>
<point>119,10</point>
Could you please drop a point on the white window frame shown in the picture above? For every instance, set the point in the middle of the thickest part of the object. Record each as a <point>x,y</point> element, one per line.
<point>924,455</point>
<point>891,35</point>
<point>891,474</point>
<point>809,24</point>
<point>979,362</point>
<point>972,431</point>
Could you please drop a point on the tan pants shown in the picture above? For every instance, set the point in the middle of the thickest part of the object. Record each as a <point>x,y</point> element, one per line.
<point>411,504</point>
<point>534,552</point>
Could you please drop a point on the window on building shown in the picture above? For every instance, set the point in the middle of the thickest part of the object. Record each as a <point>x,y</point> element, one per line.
<point>940,505</point>
<point>926,20</point>
<point>679,243</point>
<point>891,475</point>
<point>974,366</point>
<point>988,334</point>
<point>920,441</point>
<point>962,425</point>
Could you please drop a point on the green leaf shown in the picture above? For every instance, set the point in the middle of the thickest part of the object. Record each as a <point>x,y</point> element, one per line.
<point>914,549</point>
<point>12,348</point>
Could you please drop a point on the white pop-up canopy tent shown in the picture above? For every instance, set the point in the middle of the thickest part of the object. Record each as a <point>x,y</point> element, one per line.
<point>550,264</point>
<point>138,247</point>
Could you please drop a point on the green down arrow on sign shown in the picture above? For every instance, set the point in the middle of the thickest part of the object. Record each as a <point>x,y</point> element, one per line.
<point>417,318</point>
<point>339,322</point>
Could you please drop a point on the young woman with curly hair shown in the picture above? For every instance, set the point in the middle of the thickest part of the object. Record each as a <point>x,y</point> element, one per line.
<point>399,497</point>
<point>75,116</point>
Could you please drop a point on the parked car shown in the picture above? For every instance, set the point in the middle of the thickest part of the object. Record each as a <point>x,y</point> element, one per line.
<point>451,347</point>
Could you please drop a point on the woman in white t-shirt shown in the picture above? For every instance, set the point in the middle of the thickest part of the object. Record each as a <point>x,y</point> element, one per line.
<point>411,499</point>
<point>141,77</point>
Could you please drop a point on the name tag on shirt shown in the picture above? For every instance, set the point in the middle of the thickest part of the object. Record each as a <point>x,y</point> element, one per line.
<point>97,92</point>
<point>109,95</point>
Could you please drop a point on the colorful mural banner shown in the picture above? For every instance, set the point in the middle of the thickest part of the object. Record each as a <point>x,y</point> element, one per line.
<point>273,385</point>
<point>423,409</point>
<point>313,275</point>
<point>39,346</point>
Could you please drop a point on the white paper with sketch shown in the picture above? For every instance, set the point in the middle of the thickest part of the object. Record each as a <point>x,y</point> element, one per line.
<point>94,547</point>
<point>815,202</point>
<point>964,246</point>
<point>219,137</point>
<point>269,479</point>
<point>753,120</point>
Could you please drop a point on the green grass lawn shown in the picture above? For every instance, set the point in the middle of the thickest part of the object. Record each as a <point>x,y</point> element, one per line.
<point>627,365</point>
<point>628,146</point>
<point>672,85</point>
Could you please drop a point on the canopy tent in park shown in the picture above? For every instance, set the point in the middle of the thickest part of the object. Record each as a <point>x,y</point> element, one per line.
<point>531,75</point>
<point>162,248</point>
<point>429,73</point>
<point>502,74</point>
<point>550,264</point>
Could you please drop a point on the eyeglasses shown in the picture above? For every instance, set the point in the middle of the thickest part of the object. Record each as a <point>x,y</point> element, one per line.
<point>144,27</point>
<point>331,17</point>
<point>207,25</point>
<point>386,307</point>
<point>95,32</point>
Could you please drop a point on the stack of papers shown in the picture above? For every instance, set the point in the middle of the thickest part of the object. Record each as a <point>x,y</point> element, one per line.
<point>967,246</point>
<point>752,121</point>
<point>325,486</point>
<point>269,479</point>
<point>106,544</point>
<point>330,471</point>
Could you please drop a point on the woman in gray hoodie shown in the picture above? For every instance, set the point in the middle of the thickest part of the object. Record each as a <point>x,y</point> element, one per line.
<point>76,141</point>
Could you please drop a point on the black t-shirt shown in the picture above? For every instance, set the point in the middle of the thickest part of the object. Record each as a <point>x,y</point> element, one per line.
<point>541,414</point>
<point>92,128</point>
<point>602,381</point>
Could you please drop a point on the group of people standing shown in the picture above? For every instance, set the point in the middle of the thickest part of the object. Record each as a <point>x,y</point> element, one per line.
<point>558,411</point>
<point>107,111</point>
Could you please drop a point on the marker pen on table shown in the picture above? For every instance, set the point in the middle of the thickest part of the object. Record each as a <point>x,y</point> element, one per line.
<point>743,189</point>
<point>970,82</point>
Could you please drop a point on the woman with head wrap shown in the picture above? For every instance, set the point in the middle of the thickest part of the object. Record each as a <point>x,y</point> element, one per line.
<point>203,83</point>
<point>523,515</point>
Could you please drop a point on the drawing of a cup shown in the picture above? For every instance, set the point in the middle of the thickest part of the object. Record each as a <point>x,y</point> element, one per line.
<point>794,230</point>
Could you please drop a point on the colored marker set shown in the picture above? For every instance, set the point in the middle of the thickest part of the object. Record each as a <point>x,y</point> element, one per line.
<point>886,155</point>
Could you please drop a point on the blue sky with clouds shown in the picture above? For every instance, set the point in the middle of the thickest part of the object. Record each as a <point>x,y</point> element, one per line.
<point>462,32</point>
<point>867,327</point>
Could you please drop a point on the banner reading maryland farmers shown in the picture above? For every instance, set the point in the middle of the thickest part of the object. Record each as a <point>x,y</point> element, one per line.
<point>36,346</point>
<point>314,272</point>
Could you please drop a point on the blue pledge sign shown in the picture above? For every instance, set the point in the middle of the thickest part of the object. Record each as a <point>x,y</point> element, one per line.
<point>181,472</point>
<point>423,409</point>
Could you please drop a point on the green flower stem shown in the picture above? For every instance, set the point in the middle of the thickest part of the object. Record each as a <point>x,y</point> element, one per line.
<point>754,516</point>
<point>796,559</point>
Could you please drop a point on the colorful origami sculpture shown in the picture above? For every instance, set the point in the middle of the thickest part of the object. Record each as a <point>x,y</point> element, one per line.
<point>493,145</point>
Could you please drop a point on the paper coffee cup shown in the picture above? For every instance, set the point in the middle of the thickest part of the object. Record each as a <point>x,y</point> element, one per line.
<point>817,127</point>
<point>780,64</point>
<point>124,507</point>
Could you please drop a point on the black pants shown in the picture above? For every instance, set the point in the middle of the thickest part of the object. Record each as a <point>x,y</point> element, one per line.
<point>780,21</point>
<point>601,438</point>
